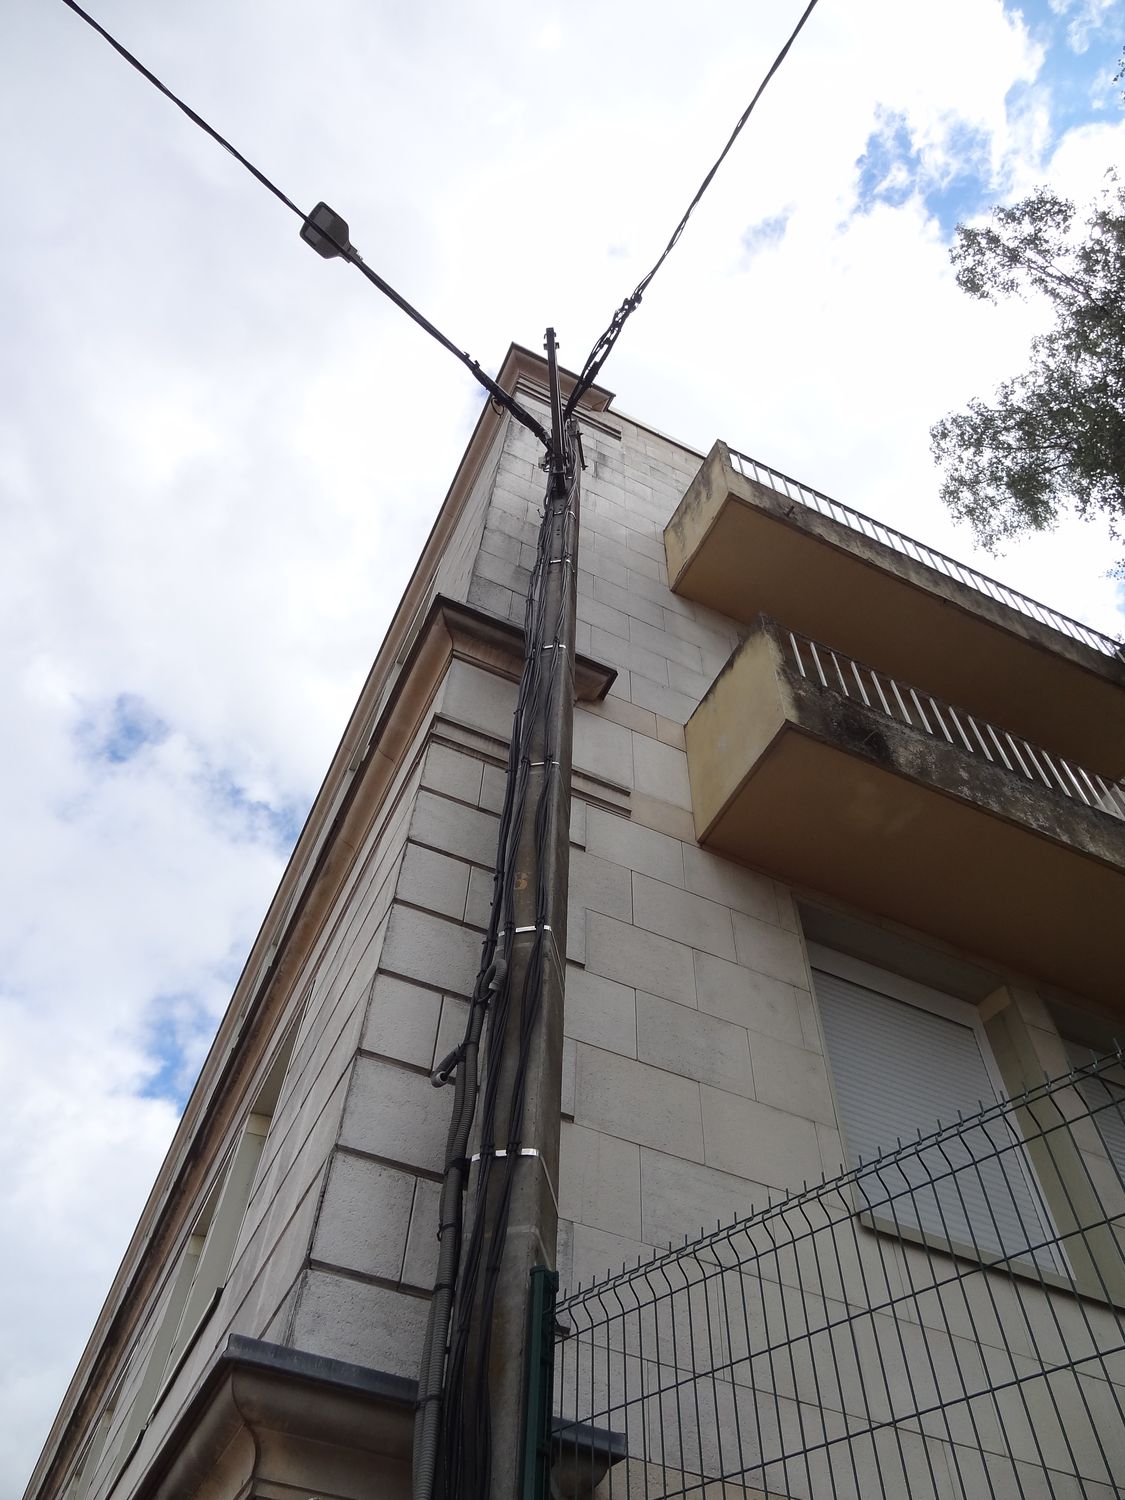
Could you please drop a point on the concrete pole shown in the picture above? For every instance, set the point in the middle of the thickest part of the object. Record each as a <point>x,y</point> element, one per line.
<point>542,868</point>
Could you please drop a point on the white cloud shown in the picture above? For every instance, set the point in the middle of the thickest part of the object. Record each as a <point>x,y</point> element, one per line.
<point>1085,17</point>
<point>219,456</point>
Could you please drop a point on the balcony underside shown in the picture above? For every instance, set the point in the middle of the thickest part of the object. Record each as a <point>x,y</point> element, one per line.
<point>828,794</point>
<point>744,550</point>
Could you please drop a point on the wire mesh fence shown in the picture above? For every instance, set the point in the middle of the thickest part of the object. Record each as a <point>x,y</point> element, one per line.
<point>942,1321</point>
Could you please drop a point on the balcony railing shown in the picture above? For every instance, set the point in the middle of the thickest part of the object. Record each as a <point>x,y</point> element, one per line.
<point>941,1321</point>
<point>919,710</point>
<point>918,552</point>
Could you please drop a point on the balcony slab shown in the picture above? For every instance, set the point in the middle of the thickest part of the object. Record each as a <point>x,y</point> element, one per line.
<point>743,549</point>
<point>823,792</point>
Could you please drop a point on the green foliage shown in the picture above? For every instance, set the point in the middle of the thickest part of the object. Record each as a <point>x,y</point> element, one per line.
<point>1053,439</point>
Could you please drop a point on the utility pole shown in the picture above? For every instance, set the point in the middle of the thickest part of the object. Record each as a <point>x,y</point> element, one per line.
<point>519,1198</point>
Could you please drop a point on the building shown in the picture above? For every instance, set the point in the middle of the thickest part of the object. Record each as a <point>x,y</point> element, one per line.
<point>876,881</point>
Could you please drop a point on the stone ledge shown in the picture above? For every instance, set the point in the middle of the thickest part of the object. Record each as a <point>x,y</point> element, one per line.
<point>269,1420</point>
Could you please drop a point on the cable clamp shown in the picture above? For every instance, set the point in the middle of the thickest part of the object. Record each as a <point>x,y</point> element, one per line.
<point>536,927</point>
<point>554,646</point>
<point>507,1151</point>
<point>534,764</point>
<point>443,1073</point>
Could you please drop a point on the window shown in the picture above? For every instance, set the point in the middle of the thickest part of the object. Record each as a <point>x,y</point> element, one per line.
<point>88,1463</point>
<point>200,1275</point>
<point>904,1059</point>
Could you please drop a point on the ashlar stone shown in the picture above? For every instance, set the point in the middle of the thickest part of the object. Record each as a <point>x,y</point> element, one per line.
<point>433,880</point>
<point>792,1078</point>
<point>757,1001</point>
<point>753,1140</point>
<point>401,1021</point>
<point>683,1040</point>
<point>733,885</point>
<point>770,949</point>
<point>637,848</point>
<point>396,1114</point>
<point>632,956</point>
<point>364,1217</point>
<point>661,771</point>
<point>638,1103</point>
<point>678,914</point>
<point>600,1012</point>
<point>600,1181</point>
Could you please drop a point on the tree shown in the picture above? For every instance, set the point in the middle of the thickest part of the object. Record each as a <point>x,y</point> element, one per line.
<point>1053,439</point>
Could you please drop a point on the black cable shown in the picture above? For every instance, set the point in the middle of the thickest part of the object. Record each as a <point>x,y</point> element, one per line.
<point>497,392</point>
<point>466,1415</point>
<point>477,1468</point>
<point>600,352</point>
<point>348,252</point>
<point>187,109</point>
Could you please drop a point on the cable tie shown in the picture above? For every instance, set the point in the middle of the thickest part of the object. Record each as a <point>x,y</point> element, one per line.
<point>508,1151</point>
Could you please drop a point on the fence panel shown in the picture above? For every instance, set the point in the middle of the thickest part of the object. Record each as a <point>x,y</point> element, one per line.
<point>850,1341</point>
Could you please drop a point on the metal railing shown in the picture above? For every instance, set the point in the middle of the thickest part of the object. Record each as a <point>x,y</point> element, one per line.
<point>911,1327</point>
<point>918,552</point>
<point>920,710</point>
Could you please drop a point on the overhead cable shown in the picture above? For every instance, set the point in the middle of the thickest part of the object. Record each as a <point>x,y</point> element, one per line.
<point>315,234</point>
<point>599,353</point>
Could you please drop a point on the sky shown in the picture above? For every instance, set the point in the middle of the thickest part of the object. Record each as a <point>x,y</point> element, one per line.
<point>220,455</point>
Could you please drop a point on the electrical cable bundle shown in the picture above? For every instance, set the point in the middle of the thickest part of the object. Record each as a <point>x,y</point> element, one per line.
<point>453,1397</point>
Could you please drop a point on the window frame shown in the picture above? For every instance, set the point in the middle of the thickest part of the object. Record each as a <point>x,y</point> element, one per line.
<point>221,1216</point>
<point>961,1012</point>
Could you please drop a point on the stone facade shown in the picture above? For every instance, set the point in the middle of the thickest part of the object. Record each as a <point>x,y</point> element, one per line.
<point>695,1077</point>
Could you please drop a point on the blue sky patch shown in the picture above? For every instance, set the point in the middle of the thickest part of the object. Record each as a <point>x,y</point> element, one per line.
<point>120,729</point>
<point>892,170</point>
<point>1080,58</point>
<point>175,1040</point>
<point>1075,81</point>
<point>256,819</point>
<point>766,233</point>
<point>890,164</point>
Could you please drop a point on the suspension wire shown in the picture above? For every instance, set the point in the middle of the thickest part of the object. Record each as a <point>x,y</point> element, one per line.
<point>601,350</point>
<point>180,104</point>
<point>346,251</point>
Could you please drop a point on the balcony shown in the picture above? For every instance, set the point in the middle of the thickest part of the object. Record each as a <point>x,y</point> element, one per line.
<point>846,780</point>
<point>746,540</point>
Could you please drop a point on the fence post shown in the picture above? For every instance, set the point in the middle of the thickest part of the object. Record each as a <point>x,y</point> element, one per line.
<point>535,1478</point>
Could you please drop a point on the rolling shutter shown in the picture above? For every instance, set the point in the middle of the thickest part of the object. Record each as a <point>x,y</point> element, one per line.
<point>899,1070</point>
